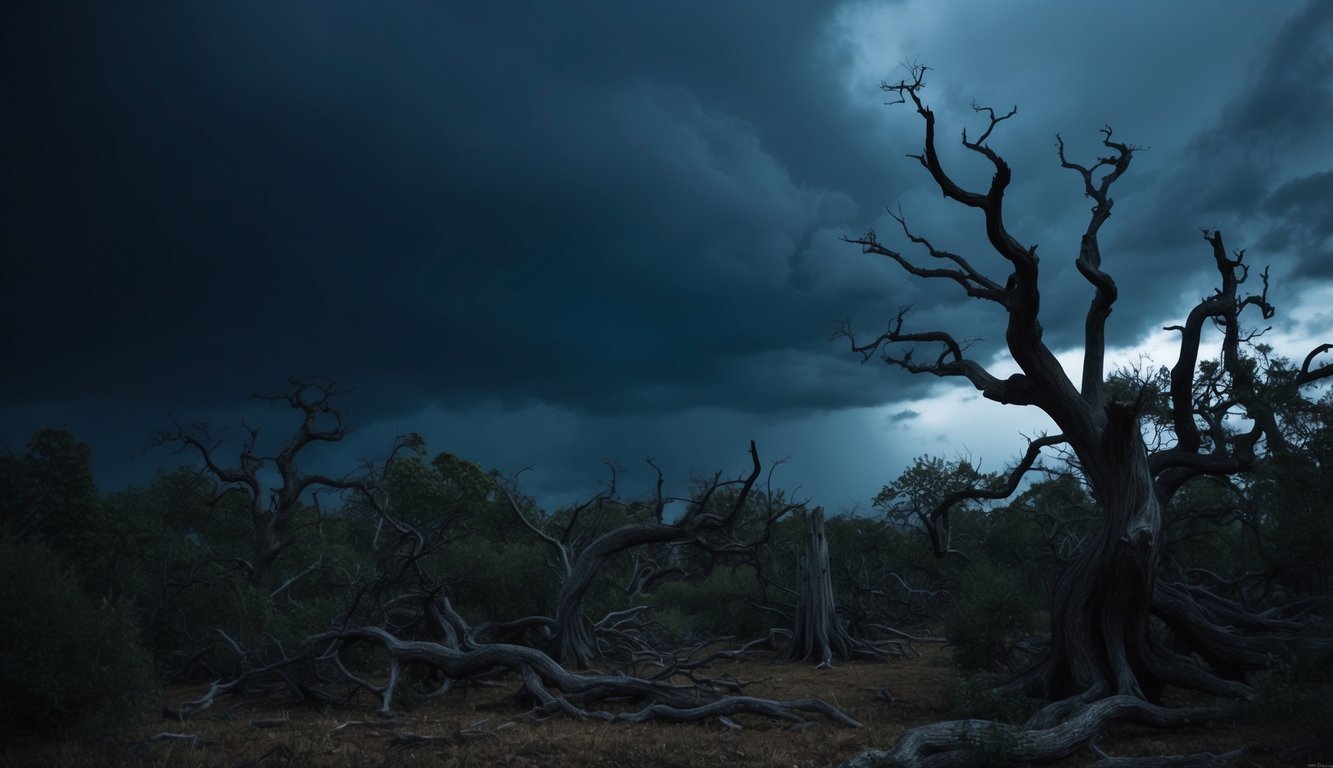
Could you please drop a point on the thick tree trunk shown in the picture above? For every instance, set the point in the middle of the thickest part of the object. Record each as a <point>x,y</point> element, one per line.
<point>576,639</point>
<point>817,634</point>
<point>1100,639</point>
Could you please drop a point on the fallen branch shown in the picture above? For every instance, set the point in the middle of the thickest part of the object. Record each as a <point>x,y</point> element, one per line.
<point>272,722</point>
<point>673,703</point>
<point>1196,760</point>
<point>192,739</point>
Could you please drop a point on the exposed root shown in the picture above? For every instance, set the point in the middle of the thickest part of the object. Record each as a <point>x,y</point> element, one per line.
<point>1196,760</point>
<point>966,742</point>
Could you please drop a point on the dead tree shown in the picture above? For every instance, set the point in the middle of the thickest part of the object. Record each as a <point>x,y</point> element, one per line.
<point>272,514</point>
<point>818,634</point>
<point>438,640</point>
<point>701,525</point>
<point>1100,643</point>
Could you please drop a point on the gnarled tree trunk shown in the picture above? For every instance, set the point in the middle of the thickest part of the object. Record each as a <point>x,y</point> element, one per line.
<point>1101,634</point>
<point>576,636</point>
<point>817,633</point>
<point>1100,642</point>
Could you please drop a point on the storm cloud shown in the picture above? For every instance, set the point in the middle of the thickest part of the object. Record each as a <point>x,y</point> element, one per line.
<point>549,235</point>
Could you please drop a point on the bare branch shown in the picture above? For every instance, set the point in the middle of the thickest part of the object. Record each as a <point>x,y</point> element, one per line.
<point>1089,261</point>
<point>936,521</point>
<point>972,281</point>
<point>951,361</point>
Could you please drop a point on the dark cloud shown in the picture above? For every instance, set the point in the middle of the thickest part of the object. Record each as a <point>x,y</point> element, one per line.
<point>1249,167</point>
<point>441,201</point>
<point>608,219</point>
<point>1303,223</point>
<point>1289,97</point>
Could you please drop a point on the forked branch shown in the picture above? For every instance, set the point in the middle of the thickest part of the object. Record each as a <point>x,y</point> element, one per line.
<point>949,362</point>
<point>1089,261</point>
<point>936,521</point>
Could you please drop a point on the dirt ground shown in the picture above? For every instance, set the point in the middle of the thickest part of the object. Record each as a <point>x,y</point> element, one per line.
<point>484,727</point>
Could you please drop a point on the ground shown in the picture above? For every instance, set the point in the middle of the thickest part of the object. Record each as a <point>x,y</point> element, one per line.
<point>311,737</point>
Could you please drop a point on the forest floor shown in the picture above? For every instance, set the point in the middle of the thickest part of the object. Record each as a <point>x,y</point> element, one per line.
<point>503,737</point>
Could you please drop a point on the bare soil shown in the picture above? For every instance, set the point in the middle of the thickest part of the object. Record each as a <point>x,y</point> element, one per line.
<point>485,727</point>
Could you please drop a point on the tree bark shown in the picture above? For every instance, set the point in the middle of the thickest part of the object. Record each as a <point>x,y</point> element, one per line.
<point>540,673</point>
<point>1100,639</point>
<point>1101,634</point>
<point>817,633</point>
<point>272,517</point>
<point>960,743</point>
<point>576,636</point>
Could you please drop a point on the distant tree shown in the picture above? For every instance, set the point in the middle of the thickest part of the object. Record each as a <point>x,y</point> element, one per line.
<point>402,607</point>
<point>272,512</point>
<point>49,491</point>
<point>70,662</point>
<point>1286,509</point>
<point>1101,642</point>
<point>709,521</point>
<point>910,499</point>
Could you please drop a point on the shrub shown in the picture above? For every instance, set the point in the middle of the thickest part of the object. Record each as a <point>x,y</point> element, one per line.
<point>1295,691</point>
<point>975,697</point>
<point>70,664</point>
<point>720,603</point>
<point>993,610</point>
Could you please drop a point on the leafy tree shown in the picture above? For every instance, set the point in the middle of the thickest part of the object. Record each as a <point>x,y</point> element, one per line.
<point>49,493</point>
<point>70,663</point>
<point>909,499</point>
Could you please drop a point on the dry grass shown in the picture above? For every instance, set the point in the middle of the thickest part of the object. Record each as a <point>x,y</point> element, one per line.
<point>309,738</point>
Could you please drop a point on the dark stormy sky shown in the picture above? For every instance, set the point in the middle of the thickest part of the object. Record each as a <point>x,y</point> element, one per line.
<point>548,234</point>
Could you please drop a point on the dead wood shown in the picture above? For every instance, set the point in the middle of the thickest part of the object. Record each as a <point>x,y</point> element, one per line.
<point>966,742</point>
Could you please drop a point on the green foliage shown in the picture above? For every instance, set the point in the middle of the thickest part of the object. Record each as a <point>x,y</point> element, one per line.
<point>922,485</point>
<point>1293,492</point>
<point>500,580</point>
<point>1295,691</point>
<point>1014,540</point>
<point>49,493</point>
<point>69,663</point>
<point>866,552</point>
<point>974,696</point>
<point>720,603</point>
<point>1205,527</point>
<point>992,611</point>
<point>1059,517</point>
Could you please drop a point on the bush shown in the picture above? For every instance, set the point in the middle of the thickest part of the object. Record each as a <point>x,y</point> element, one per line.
<point>720,603</point>
<point>70,664</point>
<point>993,610</point>
<point>975,697</point>
<point>1295,691</point>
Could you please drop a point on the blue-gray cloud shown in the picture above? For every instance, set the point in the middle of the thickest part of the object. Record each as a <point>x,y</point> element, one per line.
<point>610,211</point>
